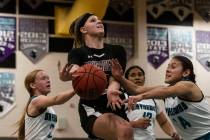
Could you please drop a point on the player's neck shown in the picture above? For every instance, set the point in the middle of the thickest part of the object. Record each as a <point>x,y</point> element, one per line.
<point>96,43</point>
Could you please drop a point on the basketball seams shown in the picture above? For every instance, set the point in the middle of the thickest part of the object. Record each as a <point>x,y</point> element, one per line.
<point>95,83</point>
<point>90,83</point>
<point>76,81</point>
<point>95,74</point>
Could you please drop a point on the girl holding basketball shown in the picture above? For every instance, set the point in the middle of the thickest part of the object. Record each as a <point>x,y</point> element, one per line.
<point>98,120</point>
<point>185,104</point>
<point>39,118</point>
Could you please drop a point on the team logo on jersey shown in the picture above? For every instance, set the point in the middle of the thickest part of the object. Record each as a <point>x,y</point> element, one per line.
<point>99,56</point>
<point>7,97</point>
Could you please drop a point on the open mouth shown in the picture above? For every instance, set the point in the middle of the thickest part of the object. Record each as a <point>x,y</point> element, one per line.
<point>100,26</point>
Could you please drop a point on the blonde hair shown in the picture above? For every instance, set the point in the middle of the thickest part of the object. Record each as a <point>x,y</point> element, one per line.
<point>30,78</point>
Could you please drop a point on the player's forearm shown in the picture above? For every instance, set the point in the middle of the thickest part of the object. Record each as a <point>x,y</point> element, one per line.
<point>165,124</point>
<point>64,96</point>
<point>168,129</point>
<point>133,124</point>
<point>129,86</point>
<point>156,93</point>
<point>113,84</point>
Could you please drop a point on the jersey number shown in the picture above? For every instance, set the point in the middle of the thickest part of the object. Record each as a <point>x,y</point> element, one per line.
<point>147,115</point>
<point>51,130</point>
<point>184,123</point>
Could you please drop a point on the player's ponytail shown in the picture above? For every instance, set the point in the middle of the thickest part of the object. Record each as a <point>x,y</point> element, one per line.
<point>21,124</point>
<point>74,29</point>
<point>30,78</point>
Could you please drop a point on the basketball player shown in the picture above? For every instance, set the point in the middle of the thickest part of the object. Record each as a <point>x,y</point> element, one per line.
<point>39,119</point>
<point>145,110</point>
<point>98,120</point>
<point>185,104</point>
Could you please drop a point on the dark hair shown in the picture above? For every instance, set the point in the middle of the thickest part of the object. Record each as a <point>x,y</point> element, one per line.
<point>75,29</point>
<point>132,67</point>
<point>186,64</point>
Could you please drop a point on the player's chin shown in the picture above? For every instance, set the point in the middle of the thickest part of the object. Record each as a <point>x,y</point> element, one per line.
<point>170,81</point>
<point>48,91</point>
<point>167,81</point>
<point>101,33</point>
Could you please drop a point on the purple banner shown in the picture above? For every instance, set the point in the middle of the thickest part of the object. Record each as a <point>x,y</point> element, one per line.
<point>203,48</point>
<point>157,43</point>
<point>180,41</point>
<point>34,38</point>
<point>121,34</point>
<point>7,37</point>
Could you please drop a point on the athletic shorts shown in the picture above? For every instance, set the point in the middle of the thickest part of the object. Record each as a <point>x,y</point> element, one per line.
<point>90,110</point>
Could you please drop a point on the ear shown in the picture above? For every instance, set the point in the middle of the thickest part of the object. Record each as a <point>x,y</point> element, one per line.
<point>32,85</point>
<point>83,30</point>
<point>186,73</point>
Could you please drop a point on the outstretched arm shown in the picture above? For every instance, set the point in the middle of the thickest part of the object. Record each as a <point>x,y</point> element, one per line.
<point>46,101</point>
<point>117,72</point>
<point>181,89</point>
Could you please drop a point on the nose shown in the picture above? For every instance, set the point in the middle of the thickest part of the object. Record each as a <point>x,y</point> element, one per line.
<point>99,21</point>
<point>167,70</point>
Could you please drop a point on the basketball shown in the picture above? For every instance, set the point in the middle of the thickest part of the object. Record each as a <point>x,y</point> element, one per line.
<point>89,82</point>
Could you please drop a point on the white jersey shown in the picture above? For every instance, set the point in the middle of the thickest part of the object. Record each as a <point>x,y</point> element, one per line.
<point>144,109</point>
<point>40,127</point>
<point>191,119</point>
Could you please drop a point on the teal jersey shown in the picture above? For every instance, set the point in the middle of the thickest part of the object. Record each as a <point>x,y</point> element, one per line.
<point>191,119</point>
<point>148,108</point>
<point>42,126</point>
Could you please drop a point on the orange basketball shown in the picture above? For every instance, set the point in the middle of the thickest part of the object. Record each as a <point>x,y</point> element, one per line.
<point>90,82</point>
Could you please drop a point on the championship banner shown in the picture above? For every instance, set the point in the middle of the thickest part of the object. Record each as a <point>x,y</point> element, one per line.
<point>121,34</point>
<point>180,41</point>
<point>157,43</point>
<point>7,40</point>
<point>203,48</point>
<point>171,12</point>
<point>7,92</point>
<point>121,6</point>
<point>34,38</point>
<point>34,3</point>
<point>3,3</point>
<point>202,8</point>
